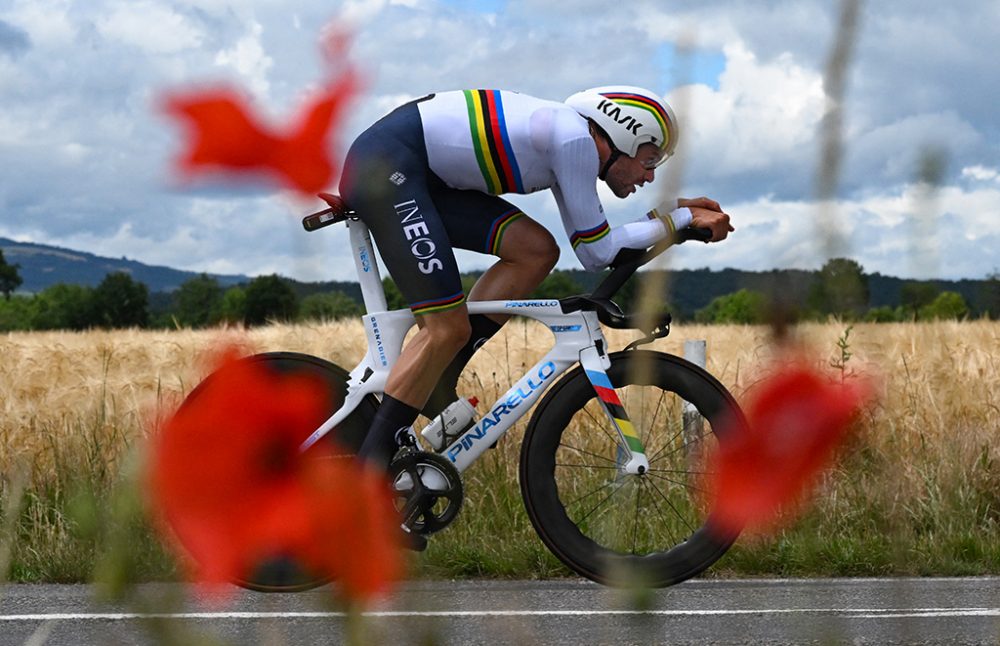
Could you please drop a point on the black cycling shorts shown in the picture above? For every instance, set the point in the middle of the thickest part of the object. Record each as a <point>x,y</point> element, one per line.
<point>414,217</point>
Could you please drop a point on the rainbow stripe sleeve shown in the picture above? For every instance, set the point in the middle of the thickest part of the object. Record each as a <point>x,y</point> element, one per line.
<point>492,143</point>
<point>589,235</point>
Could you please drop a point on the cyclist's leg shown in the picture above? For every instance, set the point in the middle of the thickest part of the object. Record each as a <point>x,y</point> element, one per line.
<point>526,250</point>
<point>488,224</point>
<point>527,253</point>
<point>411,380</point>
<point>386,182</point>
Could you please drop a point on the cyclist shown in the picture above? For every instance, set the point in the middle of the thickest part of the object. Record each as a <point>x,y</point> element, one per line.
<point>426,179</point>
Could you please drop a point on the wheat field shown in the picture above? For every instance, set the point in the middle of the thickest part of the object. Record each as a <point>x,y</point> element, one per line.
<point>917,491</point>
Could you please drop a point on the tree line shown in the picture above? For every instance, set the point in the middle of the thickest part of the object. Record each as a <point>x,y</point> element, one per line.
<point>840,289</point>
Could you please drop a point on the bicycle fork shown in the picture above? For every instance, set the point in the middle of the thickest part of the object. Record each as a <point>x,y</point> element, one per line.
<point>629,446</point>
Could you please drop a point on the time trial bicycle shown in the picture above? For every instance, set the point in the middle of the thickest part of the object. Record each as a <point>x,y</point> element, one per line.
<point>610,474</point>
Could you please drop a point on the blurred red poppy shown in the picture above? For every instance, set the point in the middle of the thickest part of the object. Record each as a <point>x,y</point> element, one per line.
<point>227,478</point>
<point>796,419</point>
<point>225,134</point>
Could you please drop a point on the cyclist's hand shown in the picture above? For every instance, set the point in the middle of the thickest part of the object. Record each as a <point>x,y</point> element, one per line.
<point>699,202</point>
<point>716,221</point>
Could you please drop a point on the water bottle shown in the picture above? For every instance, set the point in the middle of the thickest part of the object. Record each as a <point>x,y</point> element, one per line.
<point>451,421</point>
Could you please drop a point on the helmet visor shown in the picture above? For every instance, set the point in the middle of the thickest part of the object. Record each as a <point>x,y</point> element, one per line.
<point>650,161</point>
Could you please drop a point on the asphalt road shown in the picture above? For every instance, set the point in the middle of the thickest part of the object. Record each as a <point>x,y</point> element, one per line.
<point>856,611</point>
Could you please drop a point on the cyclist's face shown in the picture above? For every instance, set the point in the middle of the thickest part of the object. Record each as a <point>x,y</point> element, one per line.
<point>629,172</point>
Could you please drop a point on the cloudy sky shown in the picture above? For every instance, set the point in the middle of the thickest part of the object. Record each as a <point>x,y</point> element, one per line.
<point>86,159</point>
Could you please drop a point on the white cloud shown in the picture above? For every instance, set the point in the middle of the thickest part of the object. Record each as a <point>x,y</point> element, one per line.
<point>47,22</point>
<point>912,232</point>
<point>149,26</point>
<point>981,173</point>
<point>248,58</point>
<point>762,112</point>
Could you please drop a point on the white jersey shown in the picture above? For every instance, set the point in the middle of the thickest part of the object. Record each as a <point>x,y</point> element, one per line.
<point>499,142</point>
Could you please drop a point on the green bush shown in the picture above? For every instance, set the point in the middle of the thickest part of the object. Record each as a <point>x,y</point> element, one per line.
<point>947,306</point>
<point>329,306</point>
<point>885,314</point>
<point>270,298</point>
<point>198,302</point>
<point>744,306</point>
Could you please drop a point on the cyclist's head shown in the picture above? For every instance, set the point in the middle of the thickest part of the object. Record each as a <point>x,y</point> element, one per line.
<point>628,117</point>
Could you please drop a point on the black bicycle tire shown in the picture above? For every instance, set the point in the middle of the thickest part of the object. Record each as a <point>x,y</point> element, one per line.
<point>282,577</point>
<point>539,488</point>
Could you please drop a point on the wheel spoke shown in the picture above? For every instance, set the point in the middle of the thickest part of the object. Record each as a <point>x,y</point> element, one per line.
<point>609,483</point>
<point>635,519</point>
<point>586,466</point>
<point>604,500</point>
<point>682,471</point>
<point>590,453</point>
<point>656,414</point>
<point>668,444</point>
<point>597,423</point>
<point>679,483</point>
<point>660,455</point>
<point>665,520</point>
<point>671,505</point>
<point>603,427</point>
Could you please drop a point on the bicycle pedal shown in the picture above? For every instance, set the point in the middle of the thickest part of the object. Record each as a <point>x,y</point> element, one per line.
<point>412,540</point>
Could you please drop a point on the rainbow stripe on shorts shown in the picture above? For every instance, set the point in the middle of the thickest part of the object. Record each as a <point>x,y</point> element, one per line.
<point>438,304</point>
<point>498,228</point>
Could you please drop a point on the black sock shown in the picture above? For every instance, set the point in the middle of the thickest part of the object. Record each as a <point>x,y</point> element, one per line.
<point>381,443</point>
<point>483,329</point>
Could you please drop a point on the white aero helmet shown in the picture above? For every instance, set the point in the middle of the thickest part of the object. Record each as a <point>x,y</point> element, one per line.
<point>630,116</point>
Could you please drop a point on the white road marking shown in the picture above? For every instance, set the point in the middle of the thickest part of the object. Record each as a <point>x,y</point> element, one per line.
<point>853,613</point>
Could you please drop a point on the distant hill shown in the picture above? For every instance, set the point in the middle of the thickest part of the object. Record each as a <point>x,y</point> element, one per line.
<point>43,266</point>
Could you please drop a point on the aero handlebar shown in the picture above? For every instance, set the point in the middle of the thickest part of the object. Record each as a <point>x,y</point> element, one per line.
<point>629,260</point>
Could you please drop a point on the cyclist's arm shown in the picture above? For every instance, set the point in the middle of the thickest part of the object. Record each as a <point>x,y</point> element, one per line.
<point>596,246</point>
<point>595,242</point>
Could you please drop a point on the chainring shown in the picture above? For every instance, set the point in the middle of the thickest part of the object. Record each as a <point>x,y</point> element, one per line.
<point>427,490</point>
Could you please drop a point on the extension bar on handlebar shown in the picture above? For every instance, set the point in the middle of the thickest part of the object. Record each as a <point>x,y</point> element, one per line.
<point>629,260</point>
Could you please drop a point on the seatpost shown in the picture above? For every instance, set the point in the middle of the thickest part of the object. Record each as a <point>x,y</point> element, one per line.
<point>367,265</point>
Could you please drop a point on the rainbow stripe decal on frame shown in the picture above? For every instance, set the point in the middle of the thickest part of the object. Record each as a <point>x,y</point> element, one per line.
<point>606,393</point>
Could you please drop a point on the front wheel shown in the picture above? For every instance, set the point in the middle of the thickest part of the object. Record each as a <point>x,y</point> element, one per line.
<point>652,529</point>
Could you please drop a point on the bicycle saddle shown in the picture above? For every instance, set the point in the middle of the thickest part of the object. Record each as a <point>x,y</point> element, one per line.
<point>338,212</point>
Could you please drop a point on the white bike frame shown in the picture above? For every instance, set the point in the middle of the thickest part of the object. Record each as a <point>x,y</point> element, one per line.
<point>578,338</point>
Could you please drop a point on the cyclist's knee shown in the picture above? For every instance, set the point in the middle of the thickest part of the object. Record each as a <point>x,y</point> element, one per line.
<point>448,331</point>
<point>547,251</point>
